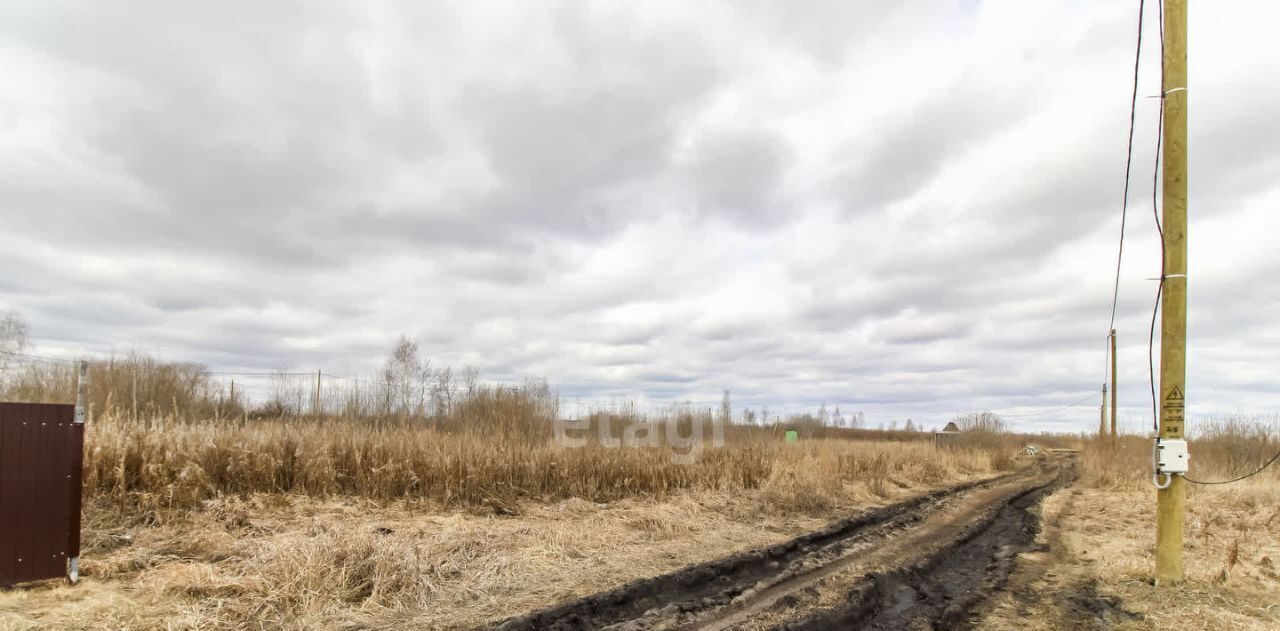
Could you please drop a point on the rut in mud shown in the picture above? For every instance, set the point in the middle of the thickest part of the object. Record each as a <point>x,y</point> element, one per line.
<point>939,591</point>
<point>917,564</point>
<point>715,583</point>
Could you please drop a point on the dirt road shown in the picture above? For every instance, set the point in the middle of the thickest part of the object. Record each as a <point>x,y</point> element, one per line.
<point>920,564</point>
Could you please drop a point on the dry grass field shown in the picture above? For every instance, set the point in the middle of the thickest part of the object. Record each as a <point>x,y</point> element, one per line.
<point>1099,536</point>
<point>306,525</point>
<point>473,513</point>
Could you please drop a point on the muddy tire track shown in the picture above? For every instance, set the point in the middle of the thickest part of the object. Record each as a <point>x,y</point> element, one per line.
<point>940,590</point>
<point>717,582</point>
<point>680,598</point>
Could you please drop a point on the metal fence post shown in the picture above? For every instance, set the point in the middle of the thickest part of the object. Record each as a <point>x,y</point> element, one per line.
<point>82,404</point>
<point>82,392</point>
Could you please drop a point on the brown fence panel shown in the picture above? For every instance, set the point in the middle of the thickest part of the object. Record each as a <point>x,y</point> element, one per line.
<point>41,460</point>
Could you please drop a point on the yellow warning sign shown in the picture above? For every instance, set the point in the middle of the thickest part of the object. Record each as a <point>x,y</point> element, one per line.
<point>1171,416</point>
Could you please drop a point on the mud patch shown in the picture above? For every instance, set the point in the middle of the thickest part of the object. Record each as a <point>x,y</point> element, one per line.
<point>715,583</point>
<point>940,592</point>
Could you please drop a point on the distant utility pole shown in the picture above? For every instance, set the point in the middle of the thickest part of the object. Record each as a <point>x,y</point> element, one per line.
<point>82,393</point>
<point>1173,323</point>
<point>316,407</point>
<point>80,415</point>
<point>1114,389</point>
<point>1102,414</point>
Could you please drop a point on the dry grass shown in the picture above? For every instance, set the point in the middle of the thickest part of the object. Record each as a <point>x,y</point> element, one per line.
<point>444,516</point>
<point>1102,547</point>
<point>331,559</point>
<point>1100,536</point>
<point>180,465</point>
<point>1223,448</point>
<point>177,465</point>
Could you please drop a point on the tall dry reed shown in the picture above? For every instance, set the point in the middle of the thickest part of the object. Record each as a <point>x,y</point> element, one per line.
<point>1221,447</point>
<point>179,464</point>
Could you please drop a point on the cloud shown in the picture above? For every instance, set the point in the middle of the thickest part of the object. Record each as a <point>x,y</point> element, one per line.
<point>738,174</point>
<point>906,209</point>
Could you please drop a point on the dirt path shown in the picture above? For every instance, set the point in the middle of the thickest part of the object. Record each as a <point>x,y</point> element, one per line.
<point>1055,584</point>
<point>917,564</point>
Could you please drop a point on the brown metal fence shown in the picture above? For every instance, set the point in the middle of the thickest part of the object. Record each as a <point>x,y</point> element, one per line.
<point>41,460</point>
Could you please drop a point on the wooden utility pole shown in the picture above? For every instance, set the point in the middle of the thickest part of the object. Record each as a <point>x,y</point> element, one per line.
<point>1173,323</point>
<point>133,393</point>
<point>1114,390</point>
<point>316,407</point>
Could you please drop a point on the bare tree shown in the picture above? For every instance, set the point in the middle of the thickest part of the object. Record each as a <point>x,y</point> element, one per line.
<point>443,389</point>
<point>406,379</point>
<point>470,379</point>
<point>981,422</point>
<point>13,331</point>
<point>13,336</point>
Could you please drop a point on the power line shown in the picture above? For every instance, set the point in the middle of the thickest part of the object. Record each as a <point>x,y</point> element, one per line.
<point>1247,475</point>
<point>260,374</point>
<point>228,373</point>
<point>1124,202</point>
<point>1065,407</point>
<point>1128,170</point>
<point>1155,212</point>
<point>1128,165</point>
<point>45,358</point>
<point>359,380</point>
<point>213,373</point>
<point>37,357</point>
<point>1151,362</point>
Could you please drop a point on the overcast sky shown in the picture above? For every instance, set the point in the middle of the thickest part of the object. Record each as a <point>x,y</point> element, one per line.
<point>905,208</point>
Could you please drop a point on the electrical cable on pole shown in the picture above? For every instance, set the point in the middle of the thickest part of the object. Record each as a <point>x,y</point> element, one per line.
<point>1247,475</point>
<point>1128,167</point>
<point>1109,359</point>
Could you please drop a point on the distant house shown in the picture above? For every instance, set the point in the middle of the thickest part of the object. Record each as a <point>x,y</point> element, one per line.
<point>947,436</point>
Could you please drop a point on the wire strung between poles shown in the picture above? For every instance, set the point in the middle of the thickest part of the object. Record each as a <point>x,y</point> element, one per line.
<point>1065,407</point>
<point>1247,475</point>
<point>38,357</point>
<point>1128,165</point>
<point>1128,170</point>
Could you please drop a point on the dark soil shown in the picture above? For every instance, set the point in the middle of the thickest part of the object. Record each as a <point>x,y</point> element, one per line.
<point>940,591</point>
<point>717,582</point>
